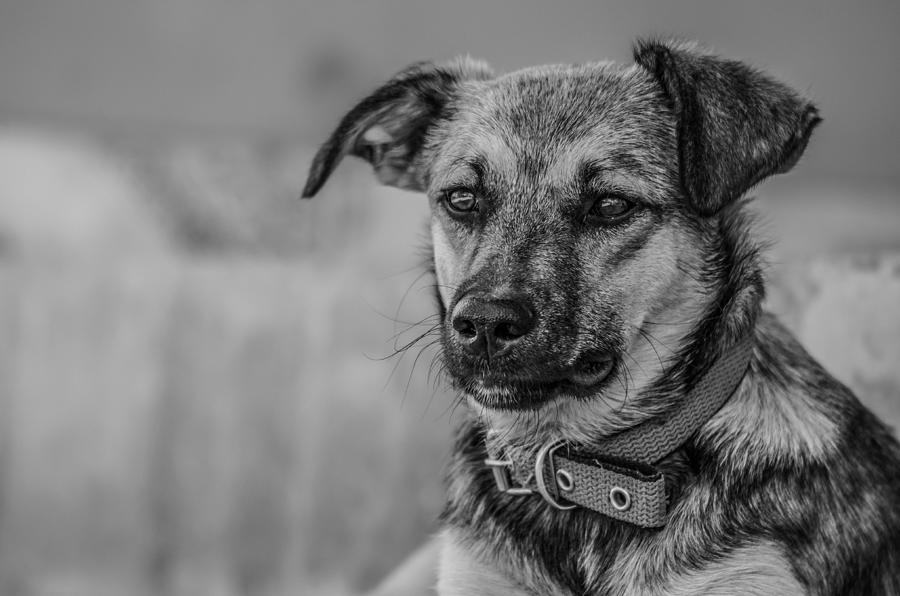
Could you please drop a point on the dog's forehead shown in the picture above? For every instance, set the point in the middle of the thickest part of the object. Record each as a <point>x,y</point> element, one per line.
<point>566,101</point>
<point>553,120</point>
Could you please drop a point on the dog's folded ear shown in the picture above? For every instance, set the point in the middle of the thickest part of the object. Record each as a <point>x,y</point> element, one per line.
<point>388,128</point>
<point>735,125</point>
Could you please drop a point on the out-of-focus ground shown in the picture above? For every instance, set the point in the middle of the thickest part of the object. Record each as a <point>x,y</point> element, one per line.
<point>196,393</point>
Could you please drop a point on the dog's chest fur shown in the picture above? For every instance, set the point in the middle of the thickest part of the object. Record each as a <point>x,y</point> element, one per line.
<point>759,569</point>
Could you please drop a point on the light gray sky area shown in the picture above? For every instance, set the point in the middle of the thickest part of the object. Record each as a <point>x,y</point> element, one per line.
<point>291,66</point>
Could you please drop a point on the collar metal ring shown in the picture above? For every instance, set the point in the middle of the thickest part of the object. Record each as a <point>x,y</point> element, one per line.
<point>545,456</point>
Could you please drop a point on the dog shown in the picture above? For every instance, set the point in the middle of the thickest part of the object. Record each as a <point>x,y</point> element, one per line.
<point>637,423</point>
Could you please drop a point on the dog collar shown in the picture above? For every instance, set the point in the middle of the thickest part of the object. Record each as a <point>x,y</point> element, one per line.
<point>623,481</point>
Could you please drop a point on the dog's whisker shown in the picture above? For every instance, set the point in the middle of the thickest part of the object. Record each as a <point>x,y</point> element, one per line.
<point>434,391</point>
<point>393,370</point>
<point>440,286</point>
<point>627,380</point>
<point>650,339</point>
<point>412,325</point>
<point>395,317</point>
<point>408,290</point>
<point>650,335</point>
<point>431,331</point>
<point>429,377</point>
<point>435,372</point>
<point>451,408</point>
<point>412,369</point>
<point>422,266</point>
<point>401,349</point>
<point>633,359</point>
<point>441,370</point>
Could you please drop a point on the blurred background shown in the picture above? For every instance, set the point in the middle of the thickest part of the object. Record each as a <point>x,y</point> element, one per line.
<point>197,394</point>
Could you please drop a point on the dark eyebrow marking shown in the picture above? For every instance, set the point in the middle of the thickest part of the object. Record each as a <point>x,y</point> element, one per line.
<point>615,160</point>
<point>624,160</point>
<point>594,178</point>
<point>476,164</point>
<point>588,174</point>
<point>591,179</point>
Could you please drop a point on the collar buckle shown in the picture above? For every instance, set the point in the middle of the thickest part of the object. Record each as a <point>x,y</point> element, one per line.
<point>543,469</point>
<point>503,478</point>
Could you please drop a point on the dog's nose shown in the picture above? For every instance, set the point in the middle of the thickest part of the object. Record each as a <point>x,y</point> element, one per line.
<point>488,326</point>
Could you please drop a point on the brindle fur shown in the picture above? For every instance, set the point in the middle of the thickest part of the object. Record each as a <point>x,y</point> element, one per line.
<point>793,486</point>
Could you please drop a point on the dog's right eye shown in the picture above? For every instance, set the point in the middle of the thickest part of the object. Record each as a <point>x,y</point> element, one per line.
<point>610,209</point>
<point>461,201</point>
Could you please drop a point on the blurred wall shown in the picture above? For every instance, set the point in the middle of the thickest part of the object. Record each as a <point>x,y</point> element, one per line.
<point>292,65</point>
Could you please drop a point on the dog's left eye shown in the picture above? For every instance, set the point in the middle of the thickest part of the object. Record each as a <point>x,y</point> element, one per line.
<point>461,201</point>
<point>610,209</point>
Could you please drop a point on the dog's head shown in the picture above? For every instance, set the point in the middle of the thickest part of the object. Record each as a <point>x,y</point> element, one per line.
<point>575,213</point>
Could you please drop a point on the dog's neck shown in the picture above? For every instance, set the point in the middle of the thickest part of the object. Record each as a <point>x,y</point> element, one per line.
<point>628,459</point>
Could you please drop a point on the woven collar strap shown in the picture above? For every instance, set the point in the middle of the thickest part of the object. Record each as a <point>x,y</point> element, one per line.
<point>622,482</point>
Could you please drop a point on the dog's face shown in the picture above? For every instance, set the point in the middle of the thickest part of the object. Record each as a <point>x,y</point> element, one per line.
<point>574,211</point>
<point>554,197</point>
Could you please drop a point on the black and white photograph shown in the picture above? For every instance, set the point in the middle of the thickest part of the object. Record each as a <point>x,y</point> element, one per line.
<point>410,298</point>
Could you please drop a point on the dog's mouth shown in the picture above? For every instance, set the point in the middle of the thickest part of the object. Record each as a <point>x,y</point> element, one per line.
<point>585,379</point>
